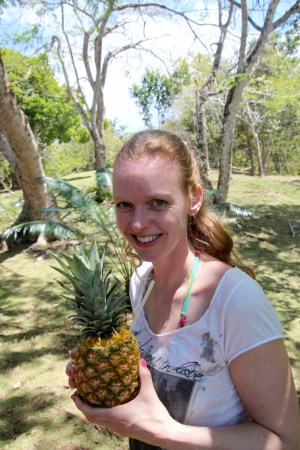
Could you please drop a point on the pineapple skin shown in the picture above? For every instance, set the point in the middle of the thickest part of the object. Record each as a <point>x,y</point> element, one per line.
<point>106,368</point>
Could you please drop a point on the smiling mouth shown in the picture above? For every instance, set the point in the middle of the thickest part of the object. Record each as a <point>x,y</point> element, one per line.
<point>147,239</point>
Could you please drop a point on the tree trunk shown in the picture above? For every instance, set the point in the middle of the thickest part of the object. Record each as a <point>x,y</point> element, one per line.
<point>228,126</point>
<point>20,148</point>
<point>201,98</point>
<point>10,156</point>
<point>249,147</point>
<point>256,139</point>
<point>201,139</point>
<point>258,151</point>
<point>99,148</point>
<point>247,64</point>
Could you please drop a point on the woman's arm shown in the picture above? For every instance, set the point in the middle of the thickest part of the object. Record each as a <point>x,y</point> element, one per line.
<point>262,377</point>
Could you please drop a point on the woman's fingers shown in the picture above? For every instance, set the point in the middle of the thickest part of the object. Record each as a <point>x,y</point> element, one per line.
<point>70,374</point>
<point>72,353</point>
<point>69,369</point>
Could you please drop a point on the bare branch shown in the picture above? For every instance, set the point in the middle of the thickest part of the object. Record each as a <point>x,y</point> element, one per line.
<point>256,52</point>
<point>290,12</point>
<point>244,33</point>
<point>114,53</point>
<point>250,20</point>
<point>85,56</point>
<point>67,79</point>
<point>60,55</point>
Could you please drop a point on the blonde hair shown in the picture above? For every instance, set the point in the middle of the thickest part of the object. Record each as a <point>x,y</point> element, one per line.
<point>205,230</point>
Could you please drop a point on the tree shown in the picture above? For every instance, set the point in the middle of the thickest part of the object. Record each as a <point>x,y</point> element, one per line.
<point>92,35</point>
<point>252,124</point>
<point>101,22</point>
<point>49,110</point>
<point>105,23</point>
<point>158,91</point>
<point>272,99</point>
<point>202,94</point>
<point>247,64</point>
<point>18,145</point>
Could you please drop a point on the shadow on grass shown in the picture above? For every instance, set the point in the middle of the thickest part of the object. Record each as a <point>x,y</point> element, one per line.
<point>266,239</point>
<point>32,314</point>
<point>17,416</point>
<point>265,242</point>
<point>14,249</point>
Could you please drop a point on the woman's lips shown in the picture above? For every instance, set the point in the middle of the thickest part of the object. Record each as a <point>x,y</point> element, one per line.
<point>146,239</point>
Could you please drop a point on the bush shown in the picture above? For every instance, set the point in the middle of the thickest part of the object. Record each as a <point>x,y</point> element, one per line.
<point>63,159</point>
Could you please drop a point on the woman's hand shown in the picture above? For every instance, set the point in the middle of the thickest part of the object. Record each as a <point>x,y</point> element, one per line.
<point>144,418</point>
<point>69,369</point>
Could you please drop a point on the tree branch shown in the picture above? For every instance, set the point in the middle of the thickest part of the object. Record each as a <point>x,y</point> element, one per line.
<point>290,12</point>
<point>69,87</point>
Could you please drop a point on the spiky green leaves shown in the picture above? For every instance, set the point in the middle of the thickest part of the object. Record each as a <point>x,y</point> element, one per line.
<point>97,301</point>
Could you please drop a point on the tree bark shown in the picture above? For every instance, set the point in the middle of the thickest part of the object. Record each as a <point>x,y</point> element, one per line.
<point>249,147</point>
<point>228,126</point>
<point>20,148</point>
<point>257,141</point>
<point>201,140</point>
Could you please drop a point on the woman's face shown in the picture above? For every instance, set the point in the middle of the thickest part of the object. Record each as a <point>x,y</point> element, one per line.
<point>151,209</point>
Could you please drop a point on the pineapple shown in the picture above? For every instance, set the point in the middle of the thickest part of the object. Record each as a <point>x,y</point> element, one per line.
<point>107,355</point>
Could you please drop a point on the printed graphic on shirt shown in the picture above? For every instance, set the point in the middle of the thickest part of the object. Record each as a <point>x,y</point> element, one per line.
<point>195,371</point>
<point>174,392</point>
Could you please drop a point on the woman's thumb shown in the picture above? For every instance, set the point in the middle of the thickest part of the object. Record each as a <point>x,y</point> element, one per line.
<point>144,372</point>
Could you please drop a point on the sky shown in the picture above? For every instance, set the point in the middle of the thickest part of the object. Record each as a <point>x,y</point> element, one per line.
<point>119,103</point>
<point>176,40</point>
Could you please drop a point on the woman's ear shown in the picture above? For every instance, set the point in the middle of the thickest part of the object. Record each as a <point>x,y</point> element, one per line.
<point>197,200</point>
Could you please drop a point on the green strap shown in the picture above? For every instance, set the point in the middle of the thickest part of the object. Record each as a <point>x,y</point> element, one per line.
<point>191,281</point>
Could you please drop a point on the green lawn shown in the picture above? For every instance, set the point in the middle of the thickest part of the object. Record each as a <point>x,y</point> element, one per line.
<point>35,407</point>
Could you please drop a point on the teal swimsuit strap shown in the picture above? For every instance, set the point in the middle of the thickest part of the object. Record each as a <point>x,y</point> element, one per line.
<point>183,315</point>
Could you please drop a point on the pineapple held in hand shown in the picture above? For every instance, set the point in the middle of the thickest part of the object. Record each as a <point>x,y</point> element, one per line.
<point>107,356</point>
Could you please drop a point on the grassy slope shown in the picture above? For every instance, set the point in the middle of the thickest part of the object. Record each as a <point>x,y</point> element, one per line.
<point>35,409</point>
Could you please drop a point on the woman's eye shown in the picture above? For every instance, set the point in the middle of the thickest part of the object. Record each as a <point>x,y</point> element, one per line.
<point>123,205</point>
<point>158,203</point>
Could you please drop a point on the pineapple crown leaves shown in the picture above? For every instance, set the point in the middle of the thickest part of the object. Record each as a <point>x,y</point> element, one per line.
<point>96,302</point>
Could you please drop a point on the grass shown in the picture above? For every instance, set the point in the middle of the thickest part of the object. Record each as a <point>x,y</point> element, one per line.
<point>35,406</point>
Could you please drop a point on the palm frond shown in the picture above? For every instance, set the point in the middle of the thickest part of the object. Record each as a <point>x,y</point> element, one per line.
<point>98,216</point>
<point>74,197</point>
<point>234,209</point>
<point>81,207</point>
<point>53,230</point>
<point>211,196</point>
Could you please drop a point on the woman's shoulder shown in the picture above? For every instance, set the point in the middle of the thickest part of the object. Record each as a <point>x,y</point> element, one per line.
<point>216,271</point>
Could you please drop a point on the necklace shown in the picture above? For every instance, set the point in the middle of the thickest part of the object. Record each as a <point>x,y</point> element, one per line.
<point>184,310</point>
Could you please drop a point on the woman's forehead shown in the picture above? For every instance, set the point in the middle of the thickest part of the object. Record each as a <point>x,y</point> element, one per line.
<point>154,161</point>
<point>154,173</point>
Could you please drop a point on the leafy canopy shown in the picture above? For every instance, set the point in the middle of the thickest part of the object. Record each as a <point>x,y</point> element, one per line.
<point>50,112</point>
<point>158,91</point>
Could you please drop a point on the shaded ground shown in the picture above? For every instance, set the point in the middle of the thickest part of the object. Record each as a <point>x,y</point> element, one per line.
<point>35,406</point>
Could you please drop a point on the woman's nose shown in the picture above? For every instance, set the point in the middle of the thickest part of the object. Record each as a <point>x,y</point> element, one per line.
<point>139,220</point>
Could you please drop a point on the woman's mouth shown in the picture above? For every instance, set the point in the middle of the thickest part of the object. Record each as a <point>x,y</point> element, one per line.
<point>147,239</point>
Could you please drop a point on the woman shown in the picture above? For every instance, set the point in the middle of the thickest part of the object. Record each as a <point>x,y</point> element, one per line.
<point>218,375</point>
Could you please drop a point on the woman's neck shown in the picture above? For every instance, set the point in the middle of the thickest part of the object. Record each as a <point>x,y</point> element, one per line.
<point>174,271</point>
